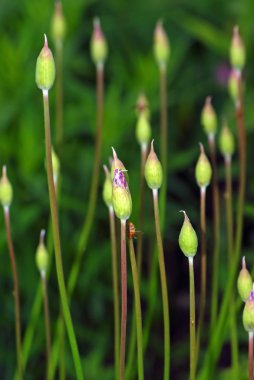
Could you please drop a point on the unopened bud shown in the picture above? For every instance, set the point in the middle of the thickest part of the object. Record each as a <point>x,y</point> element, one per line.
<point>203,171</point>
<point>117,164</point>
<point>41,255</point>
<point>244,282</point>
<point>107,188</point>
<point>188,240</point>
<point>248,313</point>
<point>237,50</point>
<point>6,191</point>
<point>226,141</point>
<point>143,129</point>
<point>45,68</point>
<point>161,44</point>
<point>58,23</point>
<point>208,117</point>
<point>99,48</point>
<point>153,170</point>
<point>121,196</point>
<point>233,85</point>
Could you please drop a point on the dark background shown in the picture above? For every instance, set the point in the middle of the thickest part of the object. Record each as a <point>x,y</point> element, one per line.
<point>200,33</point>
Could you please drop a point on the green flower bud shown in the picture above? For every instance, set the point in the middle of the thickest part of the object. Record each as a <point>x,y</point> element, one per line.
<point>41,256</point>
<point>233,86</point>
<point>117,164</point>
<point>161,44</point>
<point>142,106</point>
<point>208,117</point>
<point>107,188</point>
<point>248,313</point>
<point>143,129</point>
<point>6,191</point>
<point>203,171</point>
<point>121,196</point>
<point>188,240</point>
<point>99,48</point>
<point>153,170</point>
<point>58,23</point>
<point>55,165</point>
<point>244,282</point>
<point>226,141</point>
<point>237,50</point>
<point>45,68</point>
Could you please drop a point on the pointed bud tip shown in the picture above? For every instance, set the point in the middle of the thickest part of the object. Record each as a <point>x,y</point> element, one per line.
<point>4,171</point>
<point>114,153</point>
<point>105,170</point>
<point>243,263</point>
<point>208,100</point>
<point>201,148</point>
<point>96,23</point>
<point>45,41</point>
<point>42,236</point>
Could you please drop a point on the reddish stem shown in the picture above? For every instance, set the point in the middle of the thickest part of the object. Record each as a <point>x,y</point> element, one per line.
<point>124,299</point>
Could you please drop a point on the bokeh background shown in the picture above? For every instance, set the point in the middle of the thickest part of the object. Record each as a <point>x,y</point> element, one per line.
<point>200,33</point>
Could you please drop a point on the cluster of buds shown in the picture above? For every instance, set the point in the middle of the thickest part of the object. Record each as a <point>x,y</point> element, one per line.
<point>6,191</point>
<point>45,68</point>
<point>161,45</point>
<point>188,240</point>
<point>246,292</point>
<point>203,170</point>
<point>153,170</point>
<point>209,118</point>
<point>99,47</point>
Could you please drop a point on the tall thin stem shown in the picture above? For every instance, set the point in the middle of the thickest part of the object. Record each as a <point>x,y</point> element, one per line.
<point>229,214</point>
<point>59,92</point>
<point>216,231</point>
<point>137,311</point>
<point>57,244</point>
<point>115,289</point>
<point>132,345</point>
<point>47,320</point>
<point>124,300</point>
<point>15,291</point>
<point>164,289</point>
<point>250,355</point>
<point>203,268</point>
<point>163,140</point>
<point>192,322</point>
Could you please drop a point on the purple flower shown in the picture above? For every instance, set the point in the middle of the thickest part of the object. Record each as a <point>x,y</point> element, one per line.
<point>119,179</point>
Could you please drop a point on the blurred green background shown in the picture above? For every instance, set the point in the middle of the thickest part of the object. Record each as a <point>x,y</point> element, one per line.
<point>200,33</point>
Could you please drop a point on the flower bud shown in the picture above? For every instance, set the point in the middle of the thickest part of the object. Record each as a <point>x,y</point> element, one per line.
<point>233,85</point>
<point>121,197</point>
<point>143,129</point>
<point>45,68</point>
<point>161,44</point>
<point>55,165</point>
<point>6,191</point>
<point>188,240</point>
<point>244,282</point>
<point>226,141</point>
<point>237,50</point>
<point>99,48</point>
<point>117,164</point>
<point>248,313</point>
<point>107,188</point>
<point>58,23</point>
<point>203,171</point>
<point>153,170</point>
<point>142,106</point>
<point>208,117</point>
<point>41,256</point>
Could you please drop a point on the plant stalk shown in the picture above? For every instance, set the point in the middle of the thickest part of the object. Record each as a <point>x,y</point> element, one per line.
<point>203,275</point>
<point>250,355</point>
<point>59,92</point>
<point>164,290</point>
<point>57,244</point>
<point>216,231</point>
<point>192,322</point>
<point>124,300</point>
<point>15,291</point>
<point>115,288</point>
<point>47,321</point>
<point>138,311</point>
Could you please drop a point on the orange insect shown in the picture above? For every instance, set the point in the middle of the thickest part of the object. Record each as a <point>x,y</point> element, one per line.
<point>132,232</point>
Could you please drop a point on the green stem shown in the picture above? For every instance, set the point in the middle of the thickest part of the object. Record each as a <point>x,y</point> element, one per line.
<point>216,226</point>
<point>137,311</point>
<point>47,321</point>
<point>163,141</point>
<point>89,220</point>
<point>59,93</point>
<point>62,374</point>
<point>132,346</point>
<point>250,355</point>
<point>229,214</point>
<point>192,322</point>
<point>115,288</point>
<point>164,290</point>
<point>216,341</point>
<point>124,300</point>
<point>15,291</point>
<point>57,244</point>
<point>203,268</point>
